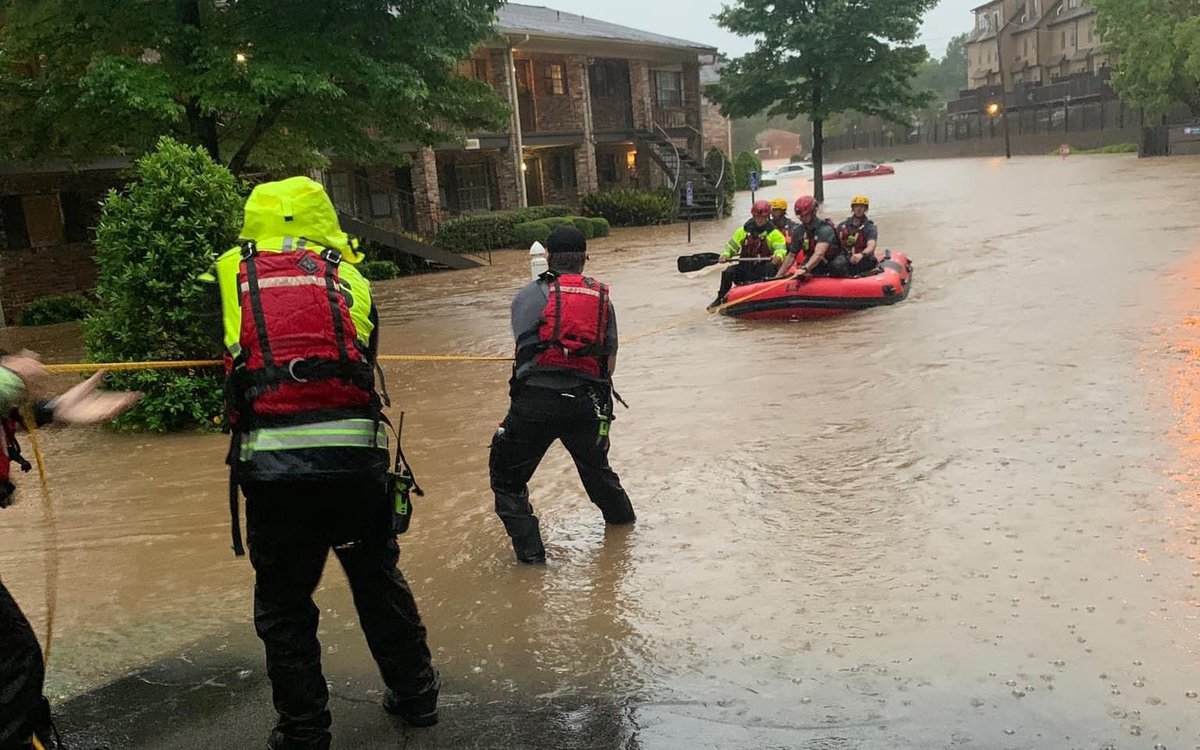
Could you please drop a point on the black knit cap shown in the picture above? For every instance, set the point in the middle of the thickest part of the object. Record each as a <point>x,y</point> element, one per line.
<point>566,239</point>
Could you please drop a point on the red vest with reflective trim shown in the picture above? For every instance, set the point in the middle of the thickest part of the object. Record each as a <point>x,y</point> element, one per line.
<point>574,326</point>
<point>853,238</point>
<point>300,360</point>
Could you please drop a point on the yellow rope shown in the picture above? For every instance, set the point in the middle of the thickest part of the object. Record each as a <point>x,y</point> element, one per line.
<point>51,531</point>
<point>767,286</point>
<point>37,744</point>
<point>195,364</point>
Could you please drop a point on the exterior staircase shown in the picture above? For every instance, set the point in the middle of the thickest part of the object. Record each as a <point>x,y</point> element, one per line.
<point>681,167</point>
<point>368,230</point>
<point>356,220</point>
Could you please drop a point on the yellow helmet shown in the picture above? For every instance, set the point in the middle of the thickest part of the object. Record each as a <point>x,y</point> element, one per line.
<point>860,200</point>
<point>778,203</point>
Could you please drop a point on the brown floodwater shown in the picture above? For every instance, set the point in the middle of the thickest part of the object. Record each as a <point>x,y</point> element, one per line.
<point>967,520</point>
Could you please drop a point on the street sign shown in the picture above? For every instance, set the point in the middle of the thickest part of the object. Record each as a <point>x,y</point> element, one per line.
<point>1192,130</point>
<point>471,144</point>
<point>753,181</point>
<point>690,194</point>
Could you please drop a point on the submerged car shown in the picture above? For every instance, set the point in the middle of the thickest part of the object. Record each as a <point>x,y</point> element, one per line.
<point>858,169</point>
<point>789,171</point>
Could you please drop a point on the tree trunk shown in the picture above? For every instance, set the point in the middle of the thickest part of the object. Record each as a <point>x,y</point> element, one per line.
<point>203,126</point>
<point>818,159</point>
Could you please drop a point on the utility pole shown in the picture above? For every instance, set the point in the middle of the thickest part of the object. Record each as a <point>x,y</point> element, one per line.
<point>1003,87</point>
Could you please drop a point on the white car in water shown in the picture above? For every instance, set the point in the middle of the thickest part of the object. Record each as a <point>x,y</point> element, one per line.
<point>789,172</point>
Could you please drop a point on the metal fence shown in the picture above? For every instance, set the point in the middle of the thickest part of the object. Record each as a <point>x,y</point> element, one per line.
<point>1062,118</point>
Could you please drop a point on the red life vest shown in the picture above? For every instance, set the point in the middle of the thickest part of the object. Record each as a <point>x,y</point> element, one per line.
<point>574,327</point>
<point>853,238</point>
<point>300,360</point>
<point>808,237</point>
<point>754,244</point>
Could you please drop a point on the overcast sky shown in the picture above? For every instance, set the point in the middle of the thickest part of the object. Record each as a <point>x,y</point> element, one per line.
<point>692,20</point>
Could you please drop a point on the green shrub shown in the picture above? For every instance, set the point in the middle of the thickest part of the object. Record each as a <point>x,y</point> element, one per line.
<point>745,163</point>
<point>532,231</point>
<point>62,308</point>
<point>631,208</point>
<point>585,225</point>
<point>482,232</point>
<point>539,231</point>
<point>155,238</point>
<point>717,163</point>
<point>378,270</point>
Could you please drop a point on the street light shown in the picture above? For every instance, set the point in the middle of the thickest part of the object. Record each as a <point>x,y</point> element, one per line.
<point>993,110</point>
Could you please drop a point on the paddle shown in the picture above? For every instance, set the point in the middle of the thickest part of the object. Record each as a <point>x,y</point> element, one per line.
<point>698,261</point>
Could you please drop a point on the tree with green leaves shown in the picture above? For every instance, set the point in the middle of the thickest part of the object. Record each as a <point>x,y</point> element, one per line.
<point>947,76</point>
<point>155,239</point>
<point>256,83</point>
<point>1155,46</point>
<point>820,57</point>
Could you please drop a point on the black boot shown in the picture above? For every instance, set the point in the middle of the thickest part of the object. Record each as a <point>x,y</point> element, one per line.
<point>416,711</point>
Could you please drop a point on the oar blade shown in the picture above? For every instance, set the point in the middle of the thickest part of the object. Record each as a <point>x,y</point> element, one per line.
<point>696,262</point>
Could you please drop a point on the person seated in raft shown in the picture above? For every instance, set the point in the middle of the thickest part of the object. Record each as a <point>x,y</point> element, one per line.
<point>780,219</point>
<point>816,243</point>
<point>859,237</point>
<point>759,247</point>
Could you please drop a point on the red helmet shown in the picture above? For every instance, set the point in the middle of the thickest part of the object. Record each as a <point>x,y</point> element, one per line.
<point>805,204</point>
<point>760,208</point>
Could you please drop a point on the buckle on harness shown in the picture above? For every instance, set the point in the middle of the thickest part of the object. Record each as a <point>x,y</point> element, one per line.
<point>332,256</point>
<point>291,369</point>
<point>249,249</point>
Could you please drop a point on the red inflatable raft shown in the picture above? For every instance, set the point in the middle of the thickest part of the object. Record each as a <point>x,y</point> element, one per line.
<point>821,297</point>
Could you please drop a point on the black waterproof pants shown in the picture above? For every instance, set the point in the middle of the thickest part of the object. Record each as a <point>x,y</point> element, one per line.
<point>746,272</point>
<point>864,266</point>
<point>291,526</point>
<point>23,710</point>
<point>536,418</point>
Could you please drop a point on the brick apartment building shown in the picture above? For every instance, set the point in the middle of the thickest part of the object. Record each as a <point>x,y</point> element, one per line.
<point>594,105</point>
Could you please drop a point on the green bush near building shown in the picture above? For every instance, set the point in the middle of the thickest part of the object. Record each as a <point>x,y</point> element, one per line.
<point>378,270</point>
<point>155,239</point>
<point>631,208</point>
<point>490,231</point>
<point>63,308</point>
<point>530,232</point>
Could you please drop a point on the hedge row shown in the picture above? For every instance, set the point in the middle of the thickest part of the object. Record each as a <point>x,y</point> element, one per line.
<point>631,208</point>
<point>538,231</point>
<point>490,231</point>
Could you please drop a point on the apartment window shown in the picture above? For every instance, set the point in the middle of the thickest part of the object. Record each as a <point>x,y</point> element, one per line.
<point>1063,40</point>
<point>556,81</point>
<point>43,219</point>
<point>473,191</point>
<point>12,223</point>
<point>1072,3</point>
<point>341,190</point>
<point>381,203</point>
<point>474,68</point>
<point>1091,31</point>
<point>1074,37</point>
<point>668,88</point>
<point>606,167</point>
<point>78,216</point>
<point>562,171</point>
<point>1025,46</point>
<point>603,79</point>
